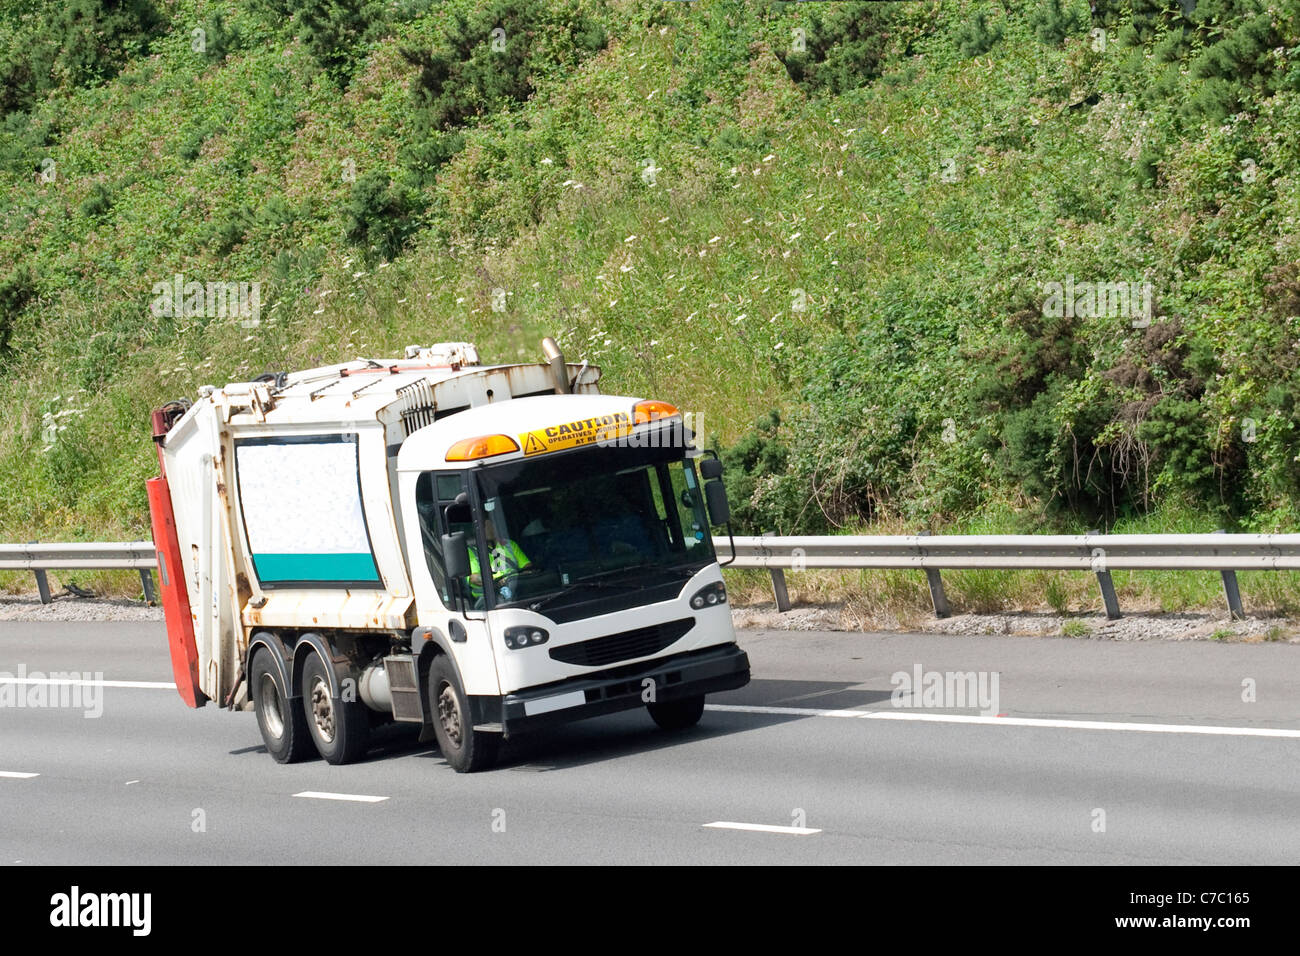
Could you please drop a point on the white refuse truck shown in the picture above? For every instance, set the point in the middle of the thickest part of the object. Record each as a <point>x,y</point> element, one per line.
<point>479,550</point>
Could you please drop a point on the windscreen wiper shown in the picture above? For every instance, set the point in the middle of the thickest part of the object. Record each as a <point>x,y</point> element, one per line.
<point>671,570</point>
<point>582,583</point>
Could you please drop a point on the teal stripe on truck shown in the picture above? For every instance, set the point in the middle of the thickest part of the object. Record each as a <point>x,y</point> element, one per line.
<point>316,567</point>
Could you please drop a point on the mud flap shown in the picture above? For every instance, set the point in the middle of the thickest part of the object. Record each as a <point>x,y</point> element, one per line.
<point>175,599</point>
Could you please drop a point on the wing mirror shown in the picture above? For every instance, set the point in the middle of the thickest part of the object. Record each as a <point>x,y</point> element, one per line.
<point>715,497</point>
<point>455,555</point>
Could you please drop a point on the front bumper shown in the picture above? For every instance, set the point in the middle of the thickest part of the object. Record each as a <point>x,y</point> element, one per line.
<point>706,671</point>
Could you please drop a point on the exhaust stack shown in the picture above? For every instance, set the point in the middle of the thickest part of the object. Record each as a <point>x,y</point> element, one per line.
<point>559,371</point>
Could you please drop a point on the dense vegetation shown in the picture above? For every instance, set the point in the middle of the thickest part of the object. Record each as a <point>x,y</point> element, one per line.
<point>1018,266</point>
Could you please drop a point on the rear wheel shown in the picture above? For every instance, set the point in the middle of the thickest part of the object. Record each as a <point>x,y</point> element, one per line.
<point>465,748</point>
<point>678,714</point>
<point>340,729</point>
<point>283,727</point>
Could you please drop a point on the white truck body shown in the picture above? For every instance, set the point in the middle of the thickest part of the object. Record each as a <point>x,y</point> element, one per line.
<point>308,515</point>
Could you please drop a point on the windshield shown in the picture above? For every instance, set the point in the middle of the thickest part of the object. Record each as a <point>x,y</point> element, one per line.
<point>561,526</point>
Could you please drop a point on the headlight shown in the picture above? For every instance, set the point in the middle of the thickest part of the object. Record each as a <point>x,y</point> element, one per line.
<point>517,637</point>
<point>715,593</point>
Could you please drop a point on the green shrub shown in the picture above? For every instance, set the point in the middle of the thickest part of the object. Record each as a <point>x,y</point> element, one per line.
<point>751,467</point>
<point>220,38</point>
<point>192,145</point>
<point>380,216</point>
<point>1180,442</point>
<point>1210,58</point>
<point>17,291</point>
<point>846,44</point>
<point>489,59</point>
<point>334,31</point>
<point>977,36</point>
<point>224,234</point>
<point>1075,628</point>
<point>1055,20</point>
<point>74,43</point>
<point>1056,594</point>
<point>97,205</point>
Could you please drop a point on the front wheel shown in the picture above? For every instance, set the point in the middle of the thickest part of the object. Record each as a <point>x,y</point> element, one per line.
<point>465,748</point>
<point>283,726</point>
<point>678,714</point>
<point>339,728</point>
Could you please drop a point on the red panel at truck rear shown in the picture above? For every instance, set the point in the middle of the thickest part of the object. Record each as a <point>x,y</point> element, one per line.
<point>175,599</point>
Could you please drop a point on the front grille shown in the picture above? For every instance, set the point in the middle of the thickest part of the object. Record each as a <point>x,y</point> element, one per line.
<point>624,646</point>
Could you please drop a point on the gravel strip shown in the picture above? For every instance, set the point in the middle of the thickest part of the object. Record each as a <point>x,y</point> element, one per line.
<point>71,608</point>
<point>1189,626</point>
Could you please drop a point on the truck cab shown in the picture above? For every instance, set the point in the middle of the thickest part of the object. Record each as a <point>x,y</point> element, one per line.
<point>484,551</point>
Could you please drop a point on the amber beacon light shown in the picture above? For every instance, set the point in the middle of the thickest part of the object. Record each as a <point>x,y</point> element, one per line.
<point>650,411</point>
<point>484,446</point>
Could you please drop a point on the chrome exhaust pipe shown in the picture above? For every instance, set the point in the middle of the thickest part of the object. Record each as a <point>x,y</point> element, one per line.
<point>559,371</point>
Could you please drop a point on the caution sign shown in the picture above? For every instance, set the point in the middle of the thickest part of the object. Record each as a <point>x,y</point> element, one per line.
<point>585,431</point>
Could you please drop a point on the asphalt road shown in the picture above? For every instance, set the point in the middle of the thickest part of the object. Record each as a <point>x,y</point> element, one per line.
<point>1119,753</point>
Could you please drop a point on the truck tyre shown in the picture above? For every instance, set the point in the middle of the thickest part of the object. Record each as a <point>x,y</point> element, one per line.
<point>283,726</point>
<point>465,748</point>
<point>340,729</point>
<point>678,714</point>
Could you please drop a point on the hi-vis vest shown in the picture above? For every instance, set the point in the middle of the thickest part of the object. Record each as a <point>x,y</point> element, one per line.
<point>505,557</point>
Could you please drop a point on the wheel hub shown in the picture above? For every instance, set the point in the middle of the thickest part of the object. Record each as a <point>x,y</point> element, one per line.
<point>322,710</point>
<point>271,707</point>
<point>449,714</point>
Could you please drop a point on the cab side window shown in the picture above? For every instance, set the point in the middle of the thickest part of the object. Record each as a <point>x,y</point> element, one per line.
<point>435,493</point>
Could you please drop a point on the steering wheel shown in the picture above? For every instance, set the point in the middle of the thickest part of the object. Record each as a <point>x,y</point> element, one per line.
<point>531,570</point>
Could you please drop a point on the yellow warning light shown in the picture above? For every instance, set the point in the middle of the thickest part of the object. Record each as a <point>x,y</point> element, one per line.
<point>648,411</point>
<point>484,446</point>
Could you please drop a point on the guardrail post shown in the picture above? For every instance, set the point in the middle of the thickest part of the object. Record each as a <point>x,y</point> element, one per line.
<point>146,581</point>
<point>43,586</point>
<point>1108,595</point>
<point>1231,591</point>
<point>937,597</point>
<point>779,589</point>
<point>935,580</point>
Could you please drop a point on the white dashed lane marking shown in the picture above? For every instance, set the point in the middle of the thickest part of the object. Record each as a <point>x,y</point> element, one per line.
<point>355,797</point>
<point>761,828</point>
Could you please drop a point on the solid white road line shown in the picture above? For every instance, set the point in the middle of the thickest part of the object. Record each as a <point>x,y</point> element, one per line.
<point>76,682</point>
<point>761,828</point>
<point>17,775</point>
<point>1013,721</point>
<point>356,797</point>
<point>786,711</point>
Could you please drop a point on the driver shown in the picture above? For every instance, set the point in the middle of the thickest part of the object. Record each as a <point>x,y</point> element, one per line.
<point>504,556</point>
